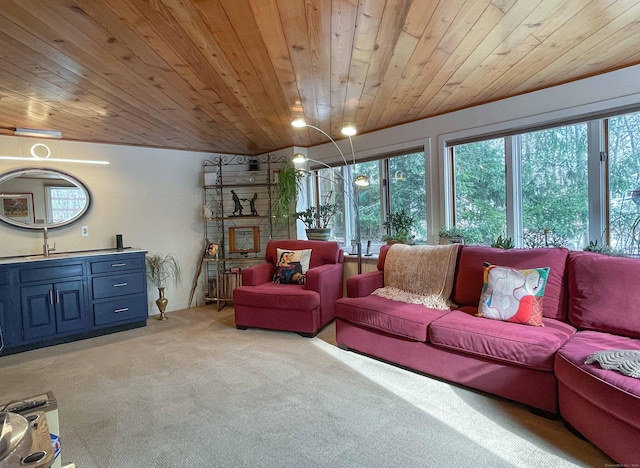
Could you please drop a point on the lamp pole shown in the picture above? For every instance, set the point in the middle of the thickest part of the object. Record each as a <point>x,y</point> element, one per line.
<point>352,194</point>
<point>352,183</point>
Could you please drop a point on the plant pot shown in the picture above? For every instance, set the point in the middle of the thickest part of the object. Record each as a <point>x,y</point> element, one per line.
<point>319,234</point>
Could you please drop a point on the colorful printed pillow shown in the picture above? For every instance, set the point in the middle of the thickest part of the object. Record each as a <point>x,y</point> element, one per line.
<point>292,266</point>
<point>513,295</point>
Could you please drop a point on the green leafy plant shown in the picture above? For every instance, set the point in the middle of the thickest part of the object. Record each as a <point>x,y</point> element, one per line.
<point>288,186</point>
<point>317,217</point>
<point>593,246</point>
<point>453,233</point>
<point>161,269</point>
<point>503,243</point>
<point>399,225</point>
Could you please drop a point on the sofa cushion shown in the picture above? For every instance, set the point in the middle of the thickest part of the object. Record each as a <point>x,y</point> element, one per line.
<point>396,318</point>
<point>277,296</point>
<point>532,347</point>
<point>604,293</point>
<point>609,390</point>
<point>469,279</point>
<point>512,294</point>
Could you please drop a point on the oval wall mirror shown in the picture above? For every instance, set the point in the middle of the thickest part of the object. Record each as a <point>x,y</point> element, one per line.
<point>34,198</point>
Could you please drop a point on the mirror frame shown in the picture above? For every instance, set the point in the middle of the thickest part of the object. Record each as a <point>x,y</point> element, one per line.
<point>14,173</point>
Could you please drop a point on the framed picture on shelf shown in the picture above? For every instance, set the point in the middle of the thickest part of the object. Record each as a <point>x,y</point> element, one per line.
<point>17,206</point>
<point>244,239</point>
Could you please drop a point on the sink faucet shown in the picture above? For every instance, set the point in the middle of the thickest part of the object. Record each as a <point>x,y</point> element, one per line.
<point>45,248</point>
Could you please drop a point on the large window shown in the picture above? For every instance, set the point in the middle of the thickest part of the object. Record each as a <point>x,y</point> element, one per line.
<point>407,190</point>
<point>555,194</point>
<point>480,189</point>
<point>624,183</point>
<point>567,186</point>
<point>395,183</point>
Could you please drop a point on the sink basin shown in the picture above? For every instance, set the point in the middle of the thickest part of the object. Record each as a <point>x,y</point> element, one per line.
<point>41,257</point>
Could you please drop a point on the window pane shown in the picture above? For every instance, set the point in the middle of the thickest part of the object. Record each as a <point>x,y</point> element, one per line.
<point>66,202</point>
<point>370,206</point>
<point>479,184</point>
<point>331,190</point>
<point>555,199</point>
<point>408,190</point>
<point>624,183</point>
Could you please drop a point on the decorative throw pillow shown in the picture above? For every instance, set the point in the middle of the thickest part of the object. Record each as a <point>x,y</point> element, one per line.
<point>513,295</point>
<point>292,266</point>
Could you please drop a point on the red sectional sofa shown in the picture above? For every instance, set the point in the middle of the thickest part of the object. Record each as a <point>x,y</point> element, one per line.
<point>591,302</point>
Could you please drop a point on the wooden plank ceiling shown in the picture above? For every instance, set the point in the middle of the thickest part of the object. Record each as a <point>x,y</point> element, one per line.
<point>229,75</point>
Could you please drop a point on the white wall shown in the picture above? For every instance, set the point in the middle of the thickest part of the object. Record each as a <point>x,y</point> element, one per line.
<point>152,197</point>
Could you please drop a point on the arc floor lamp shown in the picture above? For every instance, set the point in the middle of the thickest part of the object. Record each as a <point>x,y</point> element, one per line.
<point>358,180</point>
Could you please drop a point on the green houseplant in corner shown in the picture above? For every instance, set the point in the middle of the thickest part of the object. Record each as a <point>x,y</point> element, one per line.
<point>161,269</point>
<point>288,186</point>
<point>399,225</point>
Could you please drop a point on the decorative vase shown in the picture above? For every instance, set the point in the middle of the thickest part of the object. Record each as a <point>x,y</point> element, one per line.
<point>319,234</point>
<point>161,302</point>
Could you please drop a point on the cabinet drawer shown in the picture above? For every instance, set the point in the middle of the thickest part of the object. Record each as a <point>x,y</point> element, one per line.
<point>54,273</point>
<point>124,264</point>
<point>118,285</point>
<point>121,309</point>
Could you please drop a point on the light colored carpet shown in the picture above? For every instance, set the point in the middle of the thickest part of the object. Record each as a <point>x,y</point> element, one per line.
<point>195,392</point>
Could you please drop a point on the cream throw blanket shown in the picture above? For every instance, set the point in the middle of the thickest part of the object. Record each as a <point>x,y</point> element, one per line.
<point>420,274</point>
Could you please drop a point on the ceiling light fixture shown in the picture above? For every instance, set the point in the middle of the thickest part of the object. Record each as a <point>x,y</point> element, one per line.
<point>33,132</point>
<point>349,130</point>
<point>38,147</point>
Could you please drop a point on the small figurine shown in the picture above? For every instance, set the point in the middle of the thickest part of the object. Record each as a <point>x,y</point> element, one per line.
<point>237,206</point>
<point>212,250</point>
<point>252,205</point>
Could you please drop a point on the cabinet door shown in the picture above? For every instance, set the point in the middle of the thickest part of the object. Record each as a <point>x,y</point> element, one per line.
<point>38,312</point>
<point>5,318</point>
<point>69,302</point>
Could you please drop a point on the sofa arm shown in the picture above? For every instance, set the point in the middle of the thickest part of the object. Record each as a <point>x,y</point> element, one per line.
<point>324,275</point>
<point>364,284</point>
<point>257,274</point>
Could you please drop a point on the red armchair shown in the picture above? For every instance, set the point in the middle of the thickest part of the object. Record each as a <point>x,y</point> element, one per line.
<point>304,309</point>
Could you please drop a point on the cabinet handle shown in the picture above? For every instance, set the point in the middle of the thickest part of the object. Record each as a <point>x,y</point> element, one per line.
<point>50,296</point>
<point>57,296</point>
<point>124,309</point>
<point>118,264</point>
<point>119,285</point>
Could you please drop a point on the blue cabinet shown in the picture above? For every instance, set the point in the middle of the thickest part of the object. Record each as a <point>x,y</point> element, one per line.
<point>118,290</point>
<point>50,309</point>
<point>50,301</point>
<point>5,307</point>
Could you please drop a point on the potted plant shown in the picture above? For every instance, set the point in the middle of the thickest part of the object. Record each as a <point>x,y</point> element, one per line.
<point>399,225</point>
<point>503,243</point>
<point>452,235</point>
<point>317,219</point>
<point>288,186</point>
<point>160,270</point>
